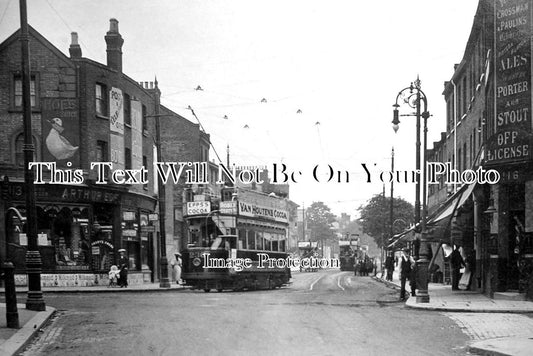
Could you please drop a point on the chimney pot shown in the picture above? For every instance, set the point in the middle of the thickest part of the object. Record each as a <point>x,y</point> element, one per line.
<point>74,49</point>
<point>113,25</point>
<point>74,38</point>
<point>114,43</point>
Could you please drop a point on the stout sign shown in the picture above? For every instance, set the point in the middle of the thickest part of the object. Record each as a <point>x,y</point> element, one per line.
<point>511,142</point>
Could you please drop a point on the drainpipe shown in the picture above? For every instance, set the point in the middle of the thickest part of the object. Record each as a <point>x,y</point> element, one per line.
<point>454,131</point>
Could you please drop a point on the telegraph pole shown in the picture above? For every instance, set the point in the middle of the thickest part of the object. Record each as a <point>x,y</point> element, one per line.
<point>35,299</point>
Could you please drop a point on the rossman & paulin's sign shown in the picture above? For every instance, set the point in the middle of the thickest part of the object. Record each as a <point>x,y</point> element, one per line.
<point>512,89</point>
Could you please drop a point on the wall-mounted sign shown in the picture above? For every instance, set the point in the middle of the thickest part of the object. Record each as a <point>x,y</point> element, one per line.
<point>128,215</point>
<point>198,207</point>
<point>512,89</point>
<point>228,207</point>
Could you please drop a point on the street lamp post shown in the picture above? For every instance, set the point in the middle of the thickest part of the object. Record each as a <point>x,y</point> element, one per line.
<point>414,97</point>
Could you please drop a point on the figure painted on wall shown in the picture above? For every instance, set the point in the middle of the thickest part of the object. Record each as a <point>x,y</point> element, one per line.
<point>58,145</point>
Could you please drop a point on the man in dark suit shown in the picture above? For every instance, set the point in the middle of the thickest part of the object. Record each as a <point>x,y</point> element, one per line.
<point>405,271</point>
<point>457,262</point>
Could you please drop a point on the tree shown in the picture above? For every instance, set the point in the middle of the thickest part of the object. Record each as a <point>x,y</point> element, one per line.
<point>375,217</point>
<point>318,220</point>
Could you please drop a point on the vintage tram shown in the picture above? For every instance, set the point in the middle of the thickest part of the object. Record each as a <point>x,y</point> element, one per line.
<point>236,241</point>
<point>348,254</point>
<point>224,266</point>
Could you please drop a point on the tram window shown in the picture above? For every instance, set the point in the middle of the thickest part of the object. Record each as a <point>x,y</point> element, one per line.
<point>259,240</point>
<point>251,239</point>
<point>275,244</point>
<point>242,239</point>
<point>282,245</point>
<point>266,239</point>
<point>217,243</point>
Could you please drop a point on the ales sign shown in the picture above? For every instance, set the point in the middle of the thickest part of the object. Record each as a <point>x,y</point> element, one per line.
<point>511,143</point>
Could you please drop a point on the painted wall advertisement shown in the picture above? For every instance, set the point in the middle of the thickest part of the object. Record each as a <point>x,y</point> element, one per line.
<point>61,131</point>
<point>116,127</point>
<point>136,135</point>
<point>511,143</point>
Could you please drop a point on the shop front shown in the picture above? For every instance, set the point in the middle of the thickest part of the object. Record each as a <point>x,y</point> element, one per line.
<point>79,231</point>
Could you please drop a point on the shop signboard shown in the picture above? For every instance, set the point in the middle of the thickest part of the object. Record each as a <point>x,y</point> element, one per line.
<point>512,89</point>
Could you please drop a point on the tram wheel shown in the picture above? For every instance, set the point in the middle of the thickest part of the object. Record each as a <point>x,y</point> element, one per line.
<point>207,290</point>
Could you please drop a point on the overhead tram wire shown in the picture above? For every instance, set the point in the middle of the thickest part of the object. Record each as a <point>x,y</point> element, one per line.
<point>5,11</point>
<point>203,129</point>
<point>66,25</point>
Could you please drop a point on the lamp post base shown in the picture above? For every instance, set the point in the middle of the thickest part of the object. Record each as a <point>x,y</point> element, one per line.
<point>422,296</point>
<point>35,299</point>
<point>164,281</point>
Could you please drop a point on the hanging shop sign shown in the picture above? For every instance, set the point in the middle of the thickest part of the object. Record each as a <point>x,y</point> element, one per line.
<point>512,65</point>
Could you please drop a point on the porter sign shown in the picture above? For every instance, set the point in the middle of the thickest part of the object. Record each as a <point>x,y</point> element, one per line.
<point>512,65</point>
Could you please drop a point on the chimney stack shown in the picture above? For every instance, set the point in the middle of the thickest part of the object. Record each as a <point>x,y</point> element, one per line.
<point>74,49</point>
<point>114,43</point>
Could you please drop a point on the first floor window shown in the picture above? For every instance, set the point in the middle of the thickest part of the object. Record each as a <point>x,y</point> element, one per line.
<point>18,91</point>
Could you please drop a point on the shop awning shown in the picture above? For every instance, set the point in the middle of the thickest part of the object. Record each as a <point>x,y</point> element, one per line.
<point>438,222</point>
<point>452,203</point>
<point>406,235</point>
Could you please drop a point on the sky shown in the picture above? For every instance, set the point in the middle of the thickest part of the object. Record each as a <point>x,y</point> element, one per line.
<point>302,83</point>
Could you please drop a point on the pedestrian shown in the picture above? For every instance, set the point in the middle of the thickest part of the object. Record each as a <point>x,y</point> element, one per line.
<point>176,267</point>
<point>471,267</point>
<point>405,271</point>
<point>457,262</point>
<point>123,264</point>
<point>389,266</point>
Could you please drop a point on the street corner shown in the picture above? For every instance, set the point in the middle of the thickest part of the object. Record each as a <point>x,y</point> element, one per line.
<point>25,334</point>
<point>515,346</point>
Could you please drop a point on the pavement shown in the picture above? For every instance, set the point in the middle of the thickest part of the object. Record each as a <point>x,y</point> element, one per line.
<point>441,299</point>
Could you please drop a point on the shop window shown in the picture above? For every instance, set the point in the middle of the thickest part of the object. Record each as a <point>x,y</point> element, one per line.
<point>17,92</point>
<point>101,99</point>
<point>70,240</point>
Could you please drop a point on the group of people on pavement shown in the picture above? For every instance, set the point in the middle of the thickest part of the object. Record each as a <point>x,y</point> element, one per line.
<point>408,270</point>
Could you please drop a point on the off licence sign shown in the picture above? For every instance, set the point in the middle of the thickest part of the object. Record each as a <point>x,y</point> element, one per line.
<point>198,207</point>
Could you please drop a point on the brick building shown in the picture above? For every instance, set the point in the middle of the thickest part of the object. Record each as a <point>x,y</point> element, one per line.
<point>85,112</point>
<point>488,125</point>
